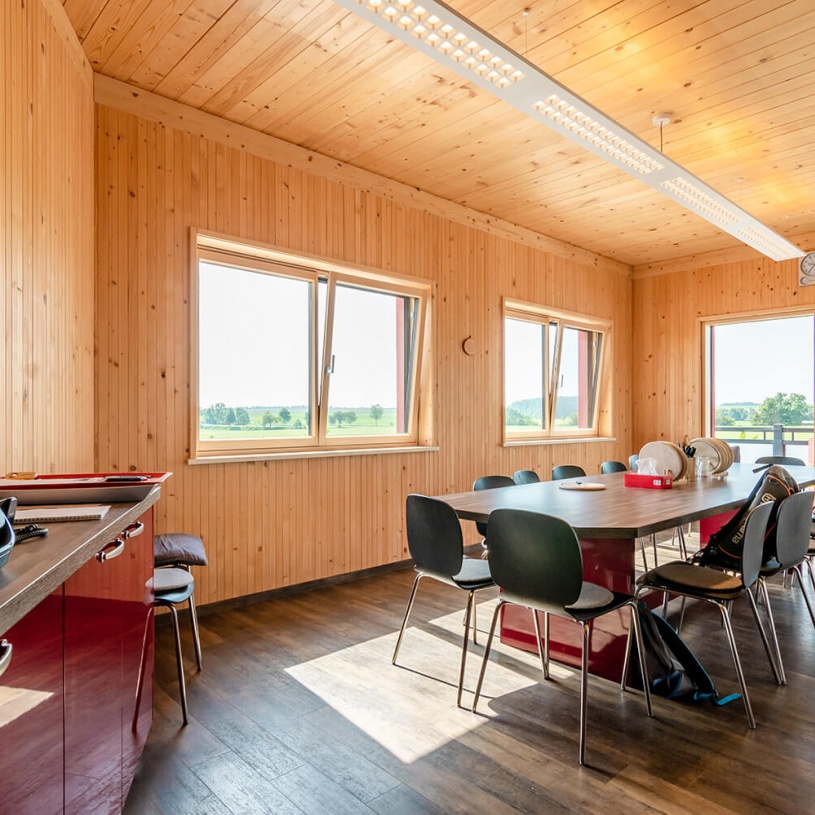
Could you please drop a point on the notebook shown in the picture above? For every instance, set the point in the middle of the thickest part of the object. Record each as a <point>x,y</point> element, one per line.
<point>84,512</point>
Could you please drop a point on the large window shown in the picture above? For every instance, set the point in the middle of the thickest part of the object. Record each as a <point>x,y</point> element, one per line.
<point>298,353</point>
<point>553,373</point>
<point>761,383</point>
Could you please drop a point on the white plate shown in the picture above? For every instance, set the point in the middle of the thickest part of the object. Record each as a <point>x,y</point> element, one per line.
<point>589,486</point>
<point>668,457</point>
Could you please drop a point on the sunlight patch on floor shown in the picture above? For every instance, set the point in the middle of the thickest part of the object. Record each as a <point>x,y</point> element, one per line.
<point>414,711</point>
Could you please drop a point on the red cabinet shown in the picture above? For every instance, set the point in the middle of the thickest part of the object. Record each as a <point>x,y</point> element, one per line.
<point>108,671</point>
<point>31,745</point>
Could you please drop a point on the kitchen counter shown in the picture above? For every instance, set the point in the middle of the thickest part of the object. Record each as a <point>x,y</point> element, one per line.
<point>38,566</point>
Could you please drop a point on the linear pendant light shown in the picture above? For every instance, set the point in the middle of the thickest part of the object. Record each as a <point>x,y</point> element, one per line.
<point>436,30</point>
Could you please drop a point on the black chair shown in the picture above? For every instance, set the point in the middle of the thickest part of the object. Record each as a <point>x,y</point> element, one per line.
<point>537,562</point>
<point>437,548</point>
<point>721,589</point>
<point>489,482</point>
<point>792,547</point>
<point>613,467</point>
<point>792,461</point>
<point>567,471</point>
<point>526,477</point>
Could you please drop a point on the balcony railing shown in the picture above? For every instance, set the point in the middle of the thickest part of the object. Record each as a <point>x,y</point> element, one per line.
<point>784,439</point>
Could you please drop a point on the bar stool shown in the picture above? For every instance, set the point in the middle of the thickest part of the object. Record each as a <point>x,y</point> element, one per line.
<point>173,555</point>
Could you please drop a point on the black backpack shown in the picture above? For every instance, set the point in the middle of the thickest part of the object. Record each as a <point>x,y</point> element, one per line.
<point>723,550</point>
<point>673,669</point>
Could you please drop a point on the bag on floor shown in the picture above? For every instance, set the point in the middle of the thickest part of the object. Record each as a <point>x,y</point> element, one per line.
<point>723,550</point>
<point>673,669</point>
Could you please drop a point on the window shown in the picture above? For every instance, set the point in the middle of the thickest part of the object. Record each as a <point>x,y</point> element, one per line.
<point>297,354</point>
<point>553,365</point>
<point>760,384</point>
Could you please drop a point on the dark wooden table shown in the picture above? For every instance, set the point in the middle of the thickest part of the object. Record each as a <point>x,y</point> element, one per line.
<point>608,522</point>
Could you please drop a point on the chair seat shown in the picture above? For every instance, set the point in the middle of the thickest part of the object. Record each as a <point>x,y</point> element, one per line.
<point>695,581</point>
<point>771,567</point>
<point>179,547</point>
<point>591,596</point>
<point>171,579</point>
<point>474,574</point>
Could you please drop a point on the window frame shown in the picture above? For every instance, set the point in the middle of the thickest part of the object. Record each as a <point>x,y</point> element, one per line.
<point>561,320</point>
<point>225,251</point>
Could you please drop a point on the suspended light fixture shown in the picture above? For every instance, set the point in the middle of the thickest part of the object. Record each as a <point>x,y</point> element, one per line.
<point>452,40</point>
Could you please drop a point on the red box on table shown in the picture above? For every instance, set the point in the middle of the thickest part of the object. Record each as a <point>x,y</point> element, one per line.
<point>649,482</point>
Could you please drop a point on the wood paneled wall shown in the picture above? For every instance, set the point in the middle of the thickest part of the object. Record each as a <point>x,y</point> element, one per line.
<point>668,344</point>
<point>46,242</point>
<point>269,524</point>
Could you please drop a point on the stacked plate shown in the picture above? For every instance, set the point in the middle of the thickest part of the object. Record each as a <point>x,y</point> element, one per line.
<point>719,452</point>
<point>668,457</point>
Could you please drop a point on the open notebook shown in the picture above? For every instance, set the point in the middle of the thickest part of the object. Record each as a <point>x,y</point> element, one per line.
<point>83,512</point>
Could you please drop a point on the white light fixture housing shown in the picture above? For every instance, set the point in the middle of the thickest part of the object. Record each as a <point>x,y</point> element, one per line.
<point>436,30</point>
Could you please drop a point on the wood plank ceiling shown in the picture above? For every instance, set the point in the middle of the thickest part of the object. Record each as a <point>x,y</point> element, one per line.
<point>735,75</point>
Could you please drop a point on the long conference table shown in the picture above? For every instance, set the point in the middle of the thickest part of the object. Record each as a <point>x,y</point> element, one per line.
<point>608,523</point>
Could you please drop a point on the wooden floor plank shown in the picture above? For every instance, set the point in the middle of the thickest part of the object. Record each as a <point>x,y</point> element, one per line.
<point>298,710</point>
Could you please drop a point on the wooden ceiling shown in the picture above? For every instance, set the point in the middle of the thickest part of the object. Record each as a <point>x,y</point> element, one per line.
<point>735,75</point>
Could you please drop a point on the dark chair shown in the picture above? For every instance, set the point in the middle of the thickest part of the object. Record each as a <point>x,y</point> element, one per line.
<point>721,589</point>
<point>792,547</point>
<point>792,461</point>
<point>181,550</point>
<point>537,562</point>
<point>437,548</point>
<point>526,477</point>
<point>489,482</point>
<point>172,587</point>
<point>613,467</point>
<point>567,471</point>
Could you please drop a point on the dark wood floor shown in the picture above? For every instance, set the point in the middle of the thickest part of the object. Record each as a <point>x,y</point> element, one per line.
<point>298,710</point>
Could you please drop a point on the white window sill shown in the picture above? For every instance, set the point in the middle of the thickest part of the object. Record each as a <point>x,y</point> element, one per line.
<point>291,454</point>
<point>577,440</point>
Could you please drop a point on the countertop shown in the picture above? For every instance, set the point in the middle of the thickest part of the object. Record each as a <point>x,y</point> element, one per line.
<point>38,566</point>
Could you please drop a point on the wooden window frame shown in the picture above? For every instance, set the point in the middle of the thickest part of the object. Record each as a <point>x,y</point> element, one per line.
<point>561,320</point>
<point>228,251</point>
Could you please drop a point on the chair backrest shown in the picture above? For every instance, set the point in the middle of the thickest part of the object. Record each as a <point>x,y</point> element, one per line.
<point>526,477</point>
<point>780,460</point>
<point>434,535</point>
<point>567,471</point>
<point>752,552</point>
<point>632,462</point>
<point>793,527</point>
<point>490,482</point>
<point>613,467</point>
<point>535,558</point>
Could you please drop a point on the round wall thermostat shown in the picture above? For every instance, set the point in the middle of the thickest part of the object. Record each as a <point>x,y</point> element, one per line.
<point>469,346</point>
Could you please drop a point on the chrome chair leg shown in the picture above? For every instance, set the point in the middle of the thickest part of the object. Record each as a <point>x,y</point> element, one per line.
<point>800,575</point>
<point>654,545</point>
<point>546,640</point>
<point>486,655</point>
<point>773,655</point>
<point>407,614</point>
<point>584,686</point>
<point>475,623</point>
<point>737,662</point>
<point>182,686</point>
<point>541,645</point>
<point>646,688</point>
<point>196,635</point>
<point>468,615</point>
<point>765,598</point>
<point>683,549</point>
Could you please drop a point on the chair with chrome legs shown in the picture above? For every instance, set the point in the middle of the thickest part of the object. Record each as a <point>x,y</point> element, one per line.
<point>490,482</point>
<point>782,460</point>
<point>613,467</point>
<point>792,545</point>
<point>567,471</point>
<point>437,548</point>
<point>526,477</point>
<point>537,562</point>
<point>721,589</point>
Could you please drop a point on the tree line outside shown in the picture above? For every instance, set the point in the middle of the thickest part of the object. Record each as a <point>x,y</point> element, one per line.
<point>244,422</point>
<point>784,408</point>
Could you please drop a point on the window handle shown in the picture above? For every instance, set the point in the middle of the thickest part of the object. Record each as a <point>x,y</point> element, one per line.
<point>329,369</point>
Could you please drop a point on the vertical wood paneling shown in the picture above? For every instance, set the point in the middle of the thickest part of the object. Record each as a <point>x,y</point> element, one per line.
<point>46,242</point>
<point>276,523</point>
